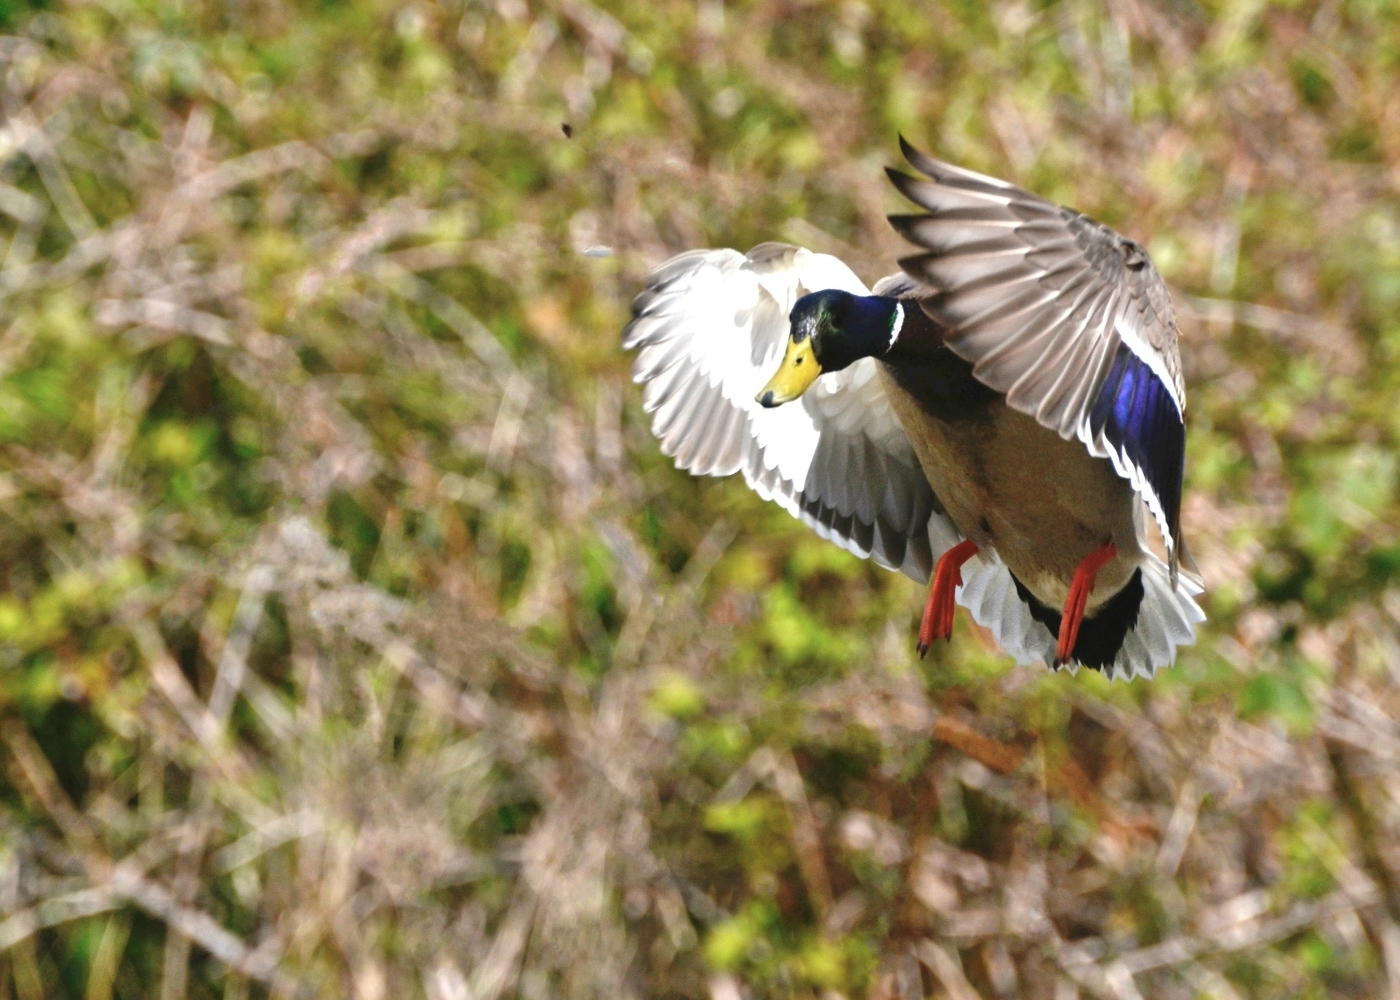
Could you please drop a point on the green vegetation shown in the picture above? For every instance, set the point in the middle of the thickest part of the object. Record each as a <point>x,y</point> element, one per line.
<point>357,641</point>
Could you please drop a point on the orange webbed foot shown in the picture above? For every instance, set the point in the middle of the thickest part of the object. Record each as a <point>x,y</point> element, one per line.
<point>1079,589</point>
<point>937,622</point>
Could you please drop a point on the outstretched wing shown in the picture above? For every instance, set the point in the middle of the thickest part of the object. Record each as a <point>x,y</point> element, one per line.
<point>709,330</point>
<point>1065,317</point>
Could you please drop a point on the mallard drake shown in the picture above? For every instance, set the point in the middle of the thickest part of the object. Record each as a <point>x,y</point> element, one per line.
<point>993,419</point>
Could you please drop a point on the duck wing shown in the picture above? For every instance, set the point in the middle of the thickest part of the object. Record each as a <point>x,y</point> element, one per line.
<point>708,330</point>
<point>1062,315</point>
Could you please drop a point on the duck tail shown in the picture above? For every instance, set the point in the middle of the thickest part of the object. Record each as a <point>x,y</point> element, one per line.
<point>1166,617</point>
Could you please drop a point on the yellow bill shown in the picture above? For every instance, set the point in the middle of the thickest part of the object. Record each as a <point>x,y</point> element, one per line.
<point>797,372</point>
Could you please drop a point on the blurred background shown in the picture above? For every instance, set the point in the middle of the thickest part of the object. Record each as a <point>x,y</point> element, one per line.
<point>356,640</point>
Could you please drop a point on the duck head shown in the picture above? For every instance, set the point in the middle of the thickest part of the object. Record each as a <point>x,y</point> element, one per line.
<point>828,331</point>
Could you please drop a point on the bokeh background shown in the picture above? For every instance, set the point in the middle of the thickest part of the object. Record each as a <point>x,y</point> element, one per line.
<point>356,640</point>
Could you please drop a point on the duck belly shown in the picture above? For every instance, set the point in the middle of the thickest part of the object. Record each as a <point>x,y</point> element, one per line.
<point>1014,487</point>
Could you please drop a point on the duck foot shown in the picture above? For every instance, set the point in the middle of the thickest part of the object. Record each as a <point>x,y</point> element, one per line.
<point>937,622</point>
<point>1079,589</point>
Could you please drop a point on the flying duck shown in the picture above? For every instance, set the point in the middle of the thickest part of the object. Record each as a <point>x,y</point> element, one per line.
<point>998,419</point>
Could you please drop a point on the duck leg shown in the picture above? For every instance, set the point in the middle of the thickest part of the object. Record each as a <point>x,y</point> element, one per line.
<point>937,622</point>
<point>1079,589</point>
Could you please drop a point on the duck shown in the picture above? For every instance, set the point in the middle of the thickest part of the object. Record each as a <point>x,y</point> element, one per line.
<point>1002,419</point>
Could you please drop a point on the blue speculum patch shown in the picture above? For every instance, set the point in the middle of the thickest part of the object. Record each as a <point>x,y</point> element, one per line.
<point>1136,414</point>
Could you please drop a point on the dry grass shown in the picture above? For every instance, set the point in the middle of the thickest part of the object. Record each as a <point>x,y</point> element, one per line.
<point>355,641</point>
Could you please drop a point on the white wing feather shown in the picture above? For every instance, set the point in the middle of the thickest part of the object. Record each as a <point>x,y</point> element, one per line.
<point>709,330</point>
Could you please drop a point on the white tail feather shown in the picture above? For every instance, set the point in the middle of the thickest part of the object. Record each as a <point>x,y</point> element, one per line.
<point>1166,619</point>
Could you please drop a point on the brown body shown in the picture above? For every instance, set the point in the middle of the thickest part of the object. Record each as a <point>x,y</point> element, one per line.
<point>1011,485</point>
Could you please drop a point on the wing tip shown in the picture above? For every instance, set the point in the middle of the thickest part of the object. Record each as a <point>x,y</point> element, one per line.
<point>921,161</point>
<point>908,149</point>
<point>904,183</point>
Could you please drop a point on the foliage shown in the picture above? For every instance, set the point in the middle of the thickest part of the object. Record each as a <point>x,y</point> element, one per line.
<point>356,640</point>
